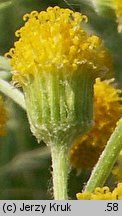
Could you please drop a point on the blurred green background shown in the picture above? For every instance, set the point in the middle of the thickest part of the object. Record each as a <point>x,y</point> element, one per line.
<point>25,165</point>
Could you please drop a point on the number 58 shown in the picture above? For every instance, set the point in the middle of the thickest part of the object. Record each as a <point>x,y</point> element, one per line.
<point>112,206</point>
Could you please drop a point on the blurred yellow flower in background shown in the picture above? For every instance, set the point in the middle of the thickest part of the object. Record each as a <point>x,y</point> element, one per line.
<point>102,194</point>
<point>107,111</point>
<point>3,117</point>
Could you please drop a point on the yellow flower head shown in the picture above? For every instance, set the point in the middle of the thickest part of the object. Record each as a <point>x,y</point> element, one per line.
<point>3,117</point>
<point>53,40</point>
<point>102,194</point>
<point>107,111</point>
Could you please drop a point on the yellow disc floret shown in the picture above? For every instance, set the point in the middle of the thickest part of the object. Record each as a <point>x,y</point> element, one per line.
<point>3,117</point>
<point>53,40</point>
<point>107,111</point>
<point>102,194</point>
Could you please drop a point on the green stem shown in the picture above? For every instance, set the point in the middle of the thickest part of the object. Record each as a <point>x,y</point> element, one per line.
<point>60,164</point>
<point>13,93</point>
<point>107,160</point>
